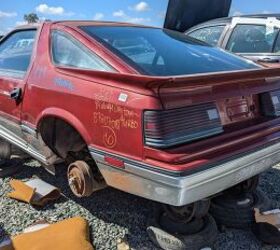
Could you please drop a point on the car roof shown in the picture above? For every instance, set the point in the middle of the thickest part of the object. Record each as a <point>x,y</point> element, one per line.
<point>228,20</point>
<point>77,23</point>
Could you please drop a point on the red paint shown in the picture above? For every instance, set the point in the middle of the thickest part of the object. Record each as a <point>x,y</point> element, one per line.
<point>105,123</point>
<point>114,161</point>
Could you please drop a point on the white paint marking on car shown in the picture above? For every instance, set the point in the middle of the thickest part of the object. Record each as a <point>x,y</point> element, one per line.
<point>123,97</point>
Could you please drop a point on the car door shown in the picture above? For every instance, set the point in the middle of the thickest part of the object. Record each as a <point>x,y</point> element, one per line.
<point>15,56</point>
<point>255,38</point>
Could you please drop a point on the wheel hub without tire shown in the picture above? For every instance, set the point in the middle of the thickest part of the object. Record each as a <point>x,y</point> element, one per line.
<point>80,179</point>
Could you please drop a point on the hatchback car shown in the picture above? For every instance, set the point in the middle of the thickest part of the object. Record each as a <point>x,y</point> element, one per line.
<point>145,110</point>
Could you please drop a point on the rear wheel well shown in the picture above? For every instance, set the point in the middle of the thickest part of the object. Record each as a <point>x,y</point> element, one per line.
<point>65,141</point>
<point>61,137</point>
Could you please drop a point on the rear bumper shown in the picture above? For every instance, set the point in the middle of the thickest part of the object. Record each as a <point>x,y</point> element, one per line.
<point>139,179</point>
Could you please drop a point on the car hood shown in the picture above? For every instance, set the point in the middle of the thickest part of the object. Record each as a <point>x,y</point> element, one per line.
<point>184,14</point>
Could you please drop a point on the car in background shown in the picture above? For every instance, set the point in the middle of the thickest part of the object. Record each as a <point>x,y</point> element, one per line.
<point>253,36</point>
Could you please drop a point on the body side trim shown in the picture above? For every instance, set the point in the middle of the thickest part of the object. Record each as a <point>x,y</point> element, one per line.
<point>15,140</point>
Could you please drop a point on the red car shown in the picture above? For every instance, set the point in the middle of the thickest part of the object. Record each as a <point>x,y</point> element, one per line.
<point>145,110</point>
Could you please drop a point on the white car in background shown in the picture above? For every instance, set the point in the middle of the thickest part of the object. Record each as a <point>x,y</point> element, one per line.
<point>256,37</point>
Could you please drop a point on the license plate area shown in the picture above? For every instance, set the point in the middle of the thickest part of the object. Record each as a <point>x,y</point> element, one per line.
<point>238,109</point>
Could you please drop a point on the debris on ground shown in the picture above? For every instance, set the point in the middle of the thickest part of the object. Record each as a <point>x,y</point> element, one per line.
<point>122,244</point>
<point>203,237</point>
<point>267,226</point>
<point>36,226</point>
<point>271,217</point>
<point>34,191</point>
<point>68,234</point>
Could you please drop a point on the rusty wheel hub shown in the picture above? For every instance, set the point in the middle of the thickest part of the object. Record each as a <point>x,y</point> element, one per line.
<point>80,179</point>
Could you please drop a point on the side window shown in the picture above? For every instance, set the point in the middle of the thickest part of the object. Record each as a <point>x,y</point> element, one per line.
<point>16,51</point>
<point>66,51</point>
<point>210,35</point>
<point>249,38</point>
<point>277,45</point>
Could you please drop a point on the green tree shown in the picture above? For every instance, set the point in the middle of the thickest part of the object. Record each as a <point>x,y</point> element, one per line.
<point>31,18</point>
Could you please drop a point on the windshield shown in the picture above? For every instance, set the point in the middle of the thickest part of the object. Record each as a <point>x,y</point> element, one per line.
<point>165,53</point>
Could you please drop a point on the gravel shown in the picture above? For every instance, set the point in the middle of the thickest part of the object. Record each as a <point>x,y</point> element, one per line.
<point>112,214</point>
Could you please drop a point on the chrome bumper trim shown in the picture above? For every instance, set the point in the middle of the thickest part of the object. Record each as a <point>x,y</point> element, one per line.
<point>182,190</point>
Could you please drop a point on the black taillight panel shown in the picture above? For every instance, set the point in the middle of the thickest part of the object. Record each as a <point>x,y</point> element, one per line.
<point>270,103</point>
<point>168,128</point>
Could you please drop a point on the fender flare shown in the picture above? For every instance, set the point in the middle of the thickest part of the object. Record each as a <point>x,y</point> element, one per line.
<point>67,117</point>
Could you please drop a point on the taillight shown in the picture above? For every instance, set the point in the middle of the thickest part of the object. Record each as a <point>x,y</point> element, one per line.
<point>270,103</point>
<point>168,128</point>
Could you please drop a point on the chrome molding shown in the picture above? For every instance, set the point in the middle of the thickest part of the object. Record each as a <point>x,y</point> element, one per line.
<point>181,190</point>
<point>28,130</point>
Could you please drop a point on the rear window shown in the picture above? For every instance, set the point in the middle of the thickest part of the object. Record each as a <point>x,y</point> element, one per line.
<point>164,53</point>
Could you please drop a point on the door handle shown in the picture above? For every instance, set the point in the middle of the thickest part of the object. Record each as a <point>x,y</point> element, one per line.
<point>15,94</point>
<point>269,60</point>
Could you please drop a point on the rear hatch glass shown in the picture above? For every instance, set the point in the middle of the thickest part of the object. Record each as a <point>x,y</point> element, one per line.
<point>164,52</point>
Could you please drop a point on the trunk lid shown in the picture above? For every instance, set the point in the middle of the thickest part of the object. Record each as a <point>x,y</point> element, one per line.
<point>178,92</point>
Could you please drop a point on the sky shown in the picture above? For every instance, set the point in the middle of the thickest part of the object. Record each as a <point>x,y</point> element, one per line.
<point>150,12</point>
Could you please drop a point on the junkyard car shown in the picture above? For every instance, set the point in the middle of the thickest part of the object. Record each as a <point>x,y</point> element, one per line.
<point>255,37</point>
<point>145,110</point>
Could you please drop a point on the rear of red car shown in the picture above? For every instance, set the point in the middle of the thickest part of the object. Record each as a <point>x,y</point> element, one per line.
<point>218,124</point>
